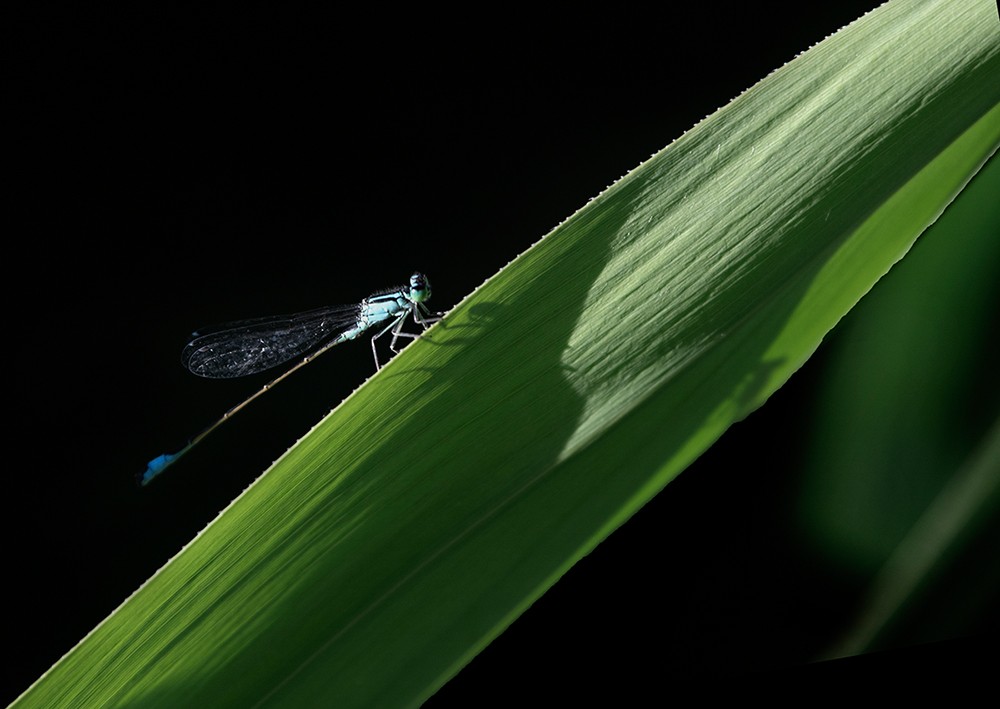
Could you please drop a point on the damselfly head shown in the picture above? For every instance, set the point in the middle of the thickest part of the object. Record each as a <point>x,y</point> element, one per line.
<point>420,288</point>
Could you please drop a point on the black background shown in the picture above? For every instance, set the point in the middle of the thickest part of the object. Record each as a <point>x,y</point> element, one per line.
<point>177,169</point>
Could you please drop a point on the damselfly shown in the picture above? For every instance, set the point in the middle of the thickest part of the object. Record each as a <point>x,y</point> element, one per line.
<point>246,347</point>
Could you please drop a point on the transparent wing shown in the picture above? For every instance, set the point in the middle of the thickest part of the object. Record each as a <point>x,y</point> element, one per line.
<point>238,349</point>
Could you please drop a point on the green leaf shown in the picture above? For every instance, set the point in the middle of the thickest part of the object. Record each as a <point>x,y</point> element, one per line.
<point>416,521</point>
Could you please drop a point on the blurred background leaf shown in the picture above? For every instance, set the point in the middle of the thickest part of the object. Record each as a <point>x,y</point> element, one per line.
<point>903,471</point>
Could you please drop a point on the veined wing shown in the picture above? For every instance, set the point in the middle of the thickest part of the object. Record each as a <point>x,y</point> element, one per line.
<point>245,347</point>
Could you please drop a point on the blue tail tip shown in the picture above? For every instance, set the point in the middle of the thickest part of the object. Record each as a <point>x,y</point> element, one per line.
<point>155,467</point>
